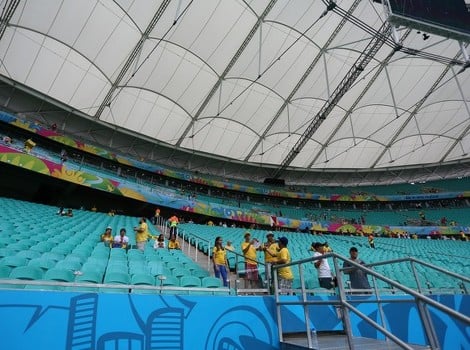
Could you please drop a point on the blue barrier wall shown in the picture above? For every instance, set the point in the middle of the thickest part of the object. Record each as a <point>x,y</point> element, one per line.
<point>105,321</point>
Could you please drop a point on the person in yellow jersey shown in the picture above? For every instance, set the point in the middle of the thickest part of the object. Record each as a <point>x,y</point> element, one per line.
<point>284,274</point>
<point>142,234</point>
<point>219,258</point>
<point>107,236</point>
<point>173,243</point>
<point>269,249</point>
<point>249,248</point>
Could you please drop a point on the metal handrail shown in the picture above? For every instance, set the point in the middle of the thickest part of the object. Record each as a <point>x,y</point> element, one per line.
<point>421,300</point>
<point>198,238</point>
<point>421,262</point>
<point>260,263</point>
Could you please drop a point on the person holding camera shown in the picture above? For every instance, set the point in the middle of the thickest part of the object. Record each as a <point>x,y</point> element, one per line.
<point>249,248</point>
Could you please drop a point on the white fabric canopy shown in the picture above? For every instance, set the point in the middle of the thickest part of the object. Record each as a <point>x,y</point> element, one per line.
<point>246,80</point>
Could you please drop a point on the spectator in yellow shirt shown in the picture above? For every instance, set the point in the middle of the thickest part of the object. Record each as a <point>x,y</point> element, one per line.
<point>219,258</point>
<point>284,274</point>
<point>269,249</point>
<point>142,234</point>
<point>173,243</point>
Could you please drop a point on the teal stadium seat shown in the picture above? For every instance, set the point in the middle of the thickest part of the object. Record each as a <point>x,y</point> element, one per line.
<point>4,271</point>
<point>200,273</point>
<point>7,240</point>
<point>116,277</point>
<point>27,273</point>
<point>136,267</point>
<point>29,254</point>
<point>180,273</point>
<point>190,281</point>
<point>53,256</point>
<point>211,282</point>
<point>175,265</point>
<point>168,281</point>
<point>157,267</point>
<point>18,246</point>
<point>71,265</point>
<point>44,263</point>
<point>143,279</point>
<point>42,247</point>
<point>59,274</point>
<point>14,261</point>
<point>88,277</point>
<point>6,252</point>
<point>55,274</point>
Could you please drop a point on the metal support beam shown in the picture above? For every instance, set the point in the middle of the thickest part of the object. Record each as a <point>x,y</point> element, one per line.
<point>302,80</point>
<point>464,132</point>
<point>415,111</point>
<point>227,69</point>
<point>6,15</point>
<point>358,67</point>
<point>359,98</point>
<point>132,57</point>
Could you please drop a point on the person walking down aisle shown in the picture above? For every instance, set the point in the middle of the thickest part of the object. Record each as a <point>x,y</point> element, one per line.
<point>174,221</point>
<point>156,216</point>
<point>219,258</point>
<point>142,234</point>
<point>371,241</point>
<point>325,277</point>
<point>249,247</point>
<point>357,277</point>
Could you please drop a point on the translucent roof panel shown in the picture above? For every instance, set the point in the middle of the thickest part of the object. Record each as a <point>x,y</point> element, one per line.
<point>284,84</point>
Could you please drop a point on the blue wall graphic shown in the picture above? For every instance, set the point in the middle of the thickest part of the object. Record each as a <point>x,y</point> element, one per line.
<point>106,321</point>
<point>102,321</point>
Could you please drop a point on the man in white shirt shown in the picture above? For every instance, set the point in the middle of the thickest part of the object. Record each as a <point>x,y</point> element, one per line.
<point>121,240</point>
<point>325,277</point>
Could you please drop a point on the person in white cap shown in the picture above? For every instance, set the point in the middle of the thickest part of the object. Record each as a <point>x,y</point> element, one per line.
<point>107,236</point>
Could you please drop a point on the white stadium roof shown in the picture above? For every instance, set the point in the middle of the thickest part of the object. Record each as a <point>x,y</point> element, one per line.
<point>281,85</point>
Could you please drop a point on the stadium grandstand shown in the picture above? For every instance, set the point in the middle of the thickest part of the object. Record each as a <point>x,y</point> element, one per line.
<point>143,141</point>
